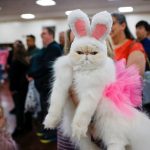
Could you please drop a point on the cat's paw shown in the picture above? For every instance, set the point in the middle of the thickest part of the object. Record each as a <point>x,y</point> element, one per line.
<point>78,130</point>
<point>50,122</point>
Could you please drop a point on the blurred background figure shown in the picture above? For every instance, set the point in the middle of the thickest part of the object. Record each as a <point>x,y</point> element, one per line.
<point>149,32</point>
<point>31,45</point>
<point>3,61</point>
<point>69,37</point>
<point>32,51</point>
<point>43,77</point>
<point>19,85</point>
<point>62,39</point>
<point>142,31</point>
<point>124,44</point>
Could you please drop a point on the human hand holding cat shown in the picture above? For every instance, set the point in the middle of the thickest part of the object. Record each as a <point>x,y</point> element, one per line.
<point>73,96</point>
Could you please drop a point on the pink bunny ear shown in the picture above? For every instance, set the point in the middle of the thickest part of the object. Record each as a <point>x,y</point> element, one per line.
<point>79,23</point>
<point>80,27</point>
<point>101,25</point>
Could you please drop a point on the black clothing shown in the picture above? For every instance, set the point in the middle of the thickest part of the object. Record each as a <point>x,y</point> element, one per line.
<point>146,44</point>
<point>17,76</point>
<point>18,86</point>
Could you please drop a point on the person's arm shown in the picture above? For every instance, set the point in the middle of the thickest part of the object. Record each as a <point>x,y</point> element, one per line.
<point>137,58</point>
<point>2,119</point>
<point>73,96</point>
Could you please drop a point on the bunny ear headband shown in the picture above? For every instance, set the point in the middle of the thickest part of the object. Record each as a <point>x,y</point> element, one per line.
<point>99,28</point>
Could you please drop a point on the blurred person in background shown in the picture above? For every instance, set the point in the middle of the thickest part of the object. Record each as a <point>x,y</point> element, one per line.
<point>19,85</point>
<point>43,77</point>
<point>62,39</point>
<point>3,62</point>
<point>32,51</point>
<point>124,44</point>
<point>149,32</point>
<point>69,37</point>
<point>142,30</point>
<point>6,141</point>
<point>31,45</point>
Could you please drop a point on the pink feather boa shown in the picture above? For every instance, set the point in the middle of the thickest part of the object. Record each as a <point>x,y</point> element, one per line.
<point>125,92</point>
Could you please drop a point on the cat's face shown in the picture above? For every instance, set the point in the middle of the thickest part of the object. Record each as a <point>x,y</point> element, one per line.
<point>88,52</point>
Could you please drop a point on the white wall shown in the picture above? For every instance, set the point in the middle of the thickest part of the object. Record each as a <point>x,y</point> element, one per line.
<point>11,31</point>
<point>132,19</point>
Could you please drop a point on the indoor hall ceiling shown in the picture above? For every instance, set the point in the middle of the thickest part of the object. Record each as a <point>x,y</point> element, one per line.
<point>10,10</point>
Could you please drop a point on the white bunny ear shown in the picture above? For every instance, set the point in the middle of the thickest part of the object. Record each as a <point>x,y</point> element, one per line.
<point>79,23</point>
<point>101,25</point>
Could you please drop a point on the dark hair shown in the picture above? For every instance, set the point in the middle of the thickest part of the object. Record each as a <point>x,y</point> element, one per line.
<point>19,42</point>
<point>20,52</point>
<point>144,24</point>
<point>50,31</point>
<point>31,36</point>
<point>121,19</point>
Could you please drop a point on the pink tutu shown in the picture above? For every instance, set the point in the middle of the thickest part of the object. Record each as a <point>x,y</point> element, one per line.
<point>126,91</point>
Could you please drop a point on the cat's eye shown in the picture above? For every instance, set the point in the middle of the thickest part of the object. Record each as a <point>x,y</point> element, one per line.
<point>80,52</point>
<point>93,53</point>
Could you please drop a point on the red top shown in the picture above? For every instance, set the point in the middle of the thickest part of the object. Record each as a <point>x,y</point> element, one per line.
<point>127,48</point>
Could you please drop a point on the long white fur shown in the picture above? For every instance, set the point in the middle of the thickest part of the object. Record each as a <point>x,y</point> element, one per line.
<point>89,79</point>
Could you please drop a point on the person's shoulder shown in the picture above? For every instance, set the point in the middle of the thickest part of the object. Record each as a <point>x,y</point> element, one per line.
<point>146,41</point>
<point>55,48</point>
<point>135,46</point>
<point>54,44</point>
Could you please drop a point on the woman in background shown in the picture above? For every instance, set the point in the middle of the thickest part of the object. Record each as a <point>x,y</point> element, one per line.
<point>19,84</point>
<point>124,44</point>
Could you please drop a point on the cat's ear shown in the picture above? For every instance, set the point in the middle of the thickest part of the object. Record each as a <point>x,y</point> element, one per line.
<point>101,25</point>
<point>79,23</point>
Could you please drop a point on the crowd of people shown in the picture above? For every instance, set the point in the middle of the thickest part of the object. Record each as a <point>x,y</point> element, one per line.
<point>34,64</point>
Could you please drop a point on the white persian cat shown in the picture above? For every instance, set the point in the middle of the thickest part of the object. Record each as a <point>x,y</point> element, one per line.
<point>89,70</point>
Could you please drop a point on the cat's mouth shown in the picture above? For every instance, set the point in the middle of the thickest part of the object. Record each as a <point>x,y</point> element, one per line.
<point>86,61</point>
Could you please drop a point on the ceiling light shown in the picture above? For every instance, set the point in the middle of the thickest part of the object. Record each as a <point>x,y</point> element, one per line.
<point>68,12</point>
<point>46,2</point>
<point>27,16</point>
<point>125,9</point>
